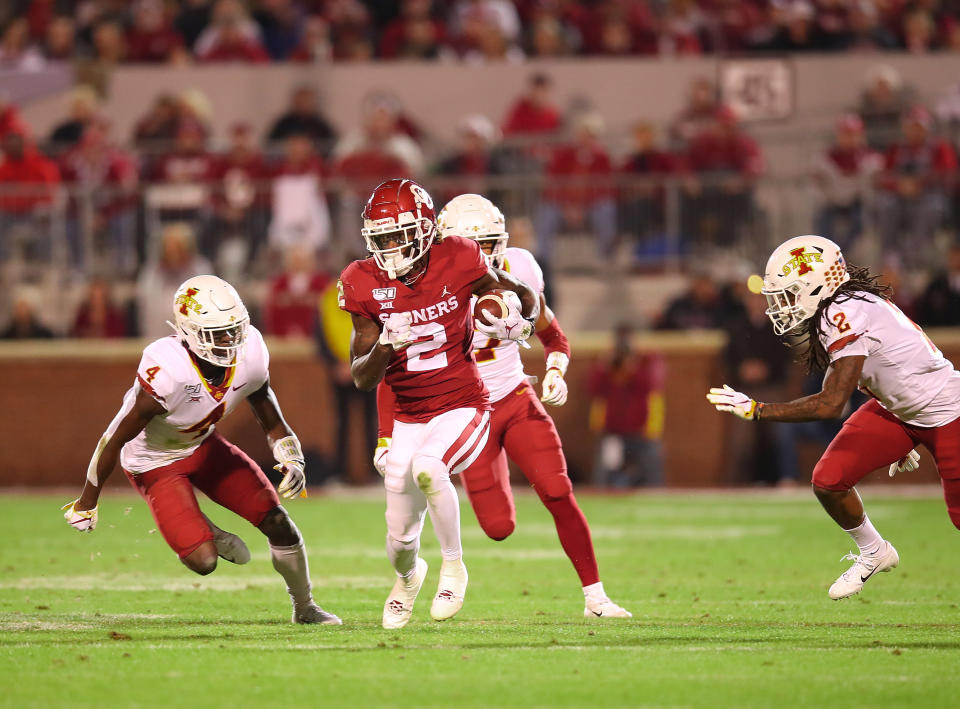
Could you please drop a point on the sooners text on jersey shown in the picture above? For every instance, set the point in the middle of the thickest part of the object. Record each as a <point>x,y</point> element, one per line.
<point>499,360</point>
<point>436,373</point>
<point>168,373</point>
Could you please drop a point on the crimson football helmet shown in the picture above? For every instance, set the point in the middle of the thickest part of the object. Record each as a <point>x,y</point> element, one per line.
<point>399,225</point>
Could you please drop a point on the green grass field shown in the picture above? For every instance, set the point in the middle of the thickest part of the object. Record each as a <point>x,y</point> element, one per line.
<point>728,595</point>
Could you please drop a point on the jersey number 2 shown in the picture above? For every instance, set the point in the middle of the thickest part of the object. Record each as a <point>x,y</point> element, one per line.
<point>419,354</point>
<point>841,320</point>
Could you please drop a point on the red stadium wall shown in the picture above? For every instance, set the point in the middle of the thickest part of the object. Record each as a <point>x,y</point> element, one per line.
<point>59,396</point>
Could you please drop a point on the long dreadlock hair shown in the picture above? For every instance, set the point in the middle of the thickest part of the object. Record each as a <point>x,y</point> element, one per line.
<point>862,283</point>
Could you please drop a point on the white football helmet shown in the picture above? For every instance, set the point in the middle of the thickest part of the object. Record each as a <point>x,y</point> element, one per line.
<point>801,272</point>
<point>210,317</point>
<point>476,217</point>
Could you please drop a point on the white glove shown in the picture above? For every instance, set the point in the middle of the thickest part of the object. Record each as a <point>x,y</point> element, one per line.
<point>396,331</point>
<point>290,462</point>
<point>732,401</point>
<point>554,385</point>
<point>907,464</point>
<point>80,520</point>
<point>511,327</point>
<point>380,455</point>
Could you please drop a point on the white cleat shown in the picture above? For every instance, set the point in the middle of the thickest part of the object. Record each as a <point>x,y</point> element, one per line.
<point>852,580</point>
<point>312,614</point>
<point>230,546</point>
<point>603,607</point>
<point>450,591</point>
<point>399,606</point>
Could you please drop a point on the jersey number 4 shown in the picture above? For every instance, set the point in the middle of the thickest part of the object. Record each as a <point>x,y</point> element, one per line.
<point>422,355</point>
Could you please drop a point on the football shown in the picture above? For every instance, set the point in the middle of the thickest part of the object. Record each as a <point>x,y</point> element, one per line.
<point>491,302</point>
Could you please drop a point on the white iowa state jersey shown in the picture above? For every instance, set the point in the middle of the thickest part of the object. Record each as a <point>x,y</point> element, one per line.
<point>903,369</point>
<point>168,373</point>
<point>499,360</point>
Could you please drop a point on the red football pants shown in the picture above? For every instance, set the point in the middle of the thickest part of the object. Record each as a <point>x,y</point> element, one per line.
<point>220,470</point>
<point>874,438</point>
<point>520,428</point>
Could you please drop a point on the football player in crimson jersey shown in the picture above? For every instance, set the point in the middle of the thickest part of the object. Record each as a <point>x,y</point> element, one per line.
<point>165,441</point>
<point>519,425</point>
<point>413,326</point>
<point>859,337</point>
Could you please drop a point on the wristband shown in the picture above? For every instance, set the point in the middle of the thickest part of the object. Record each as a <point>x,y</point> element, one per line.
<point>757,410</point>
<point>383,442</point>
<point>287,450</point>
<point>558,361</point>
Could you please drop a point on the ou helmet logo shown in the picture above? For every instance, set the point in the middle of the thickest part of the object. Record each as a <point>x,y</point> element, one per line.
<point>421,195</point>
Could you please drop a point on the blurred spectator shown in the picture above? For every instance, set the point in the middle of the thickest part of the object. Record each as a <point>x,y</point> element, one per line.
<point>701,307</point>
<point>281,26</point>
<point>534,112</point>
<point>643,193</point>
<point>475,159</point>
<point>303,117</point>
<point>680,28</point>
<point>28,182</point>
<point>549,38</point>
<point>239,201</point>
<point>104,181</point>
<point>884,100</point>
<point>796,31</point>
<point>315,45</point>
<point>486,30</point>
<point>232,44</point>
<point>415,34</point>
<point>24,322</point>
<point>82,106</point>
<point>300,213</point>
<point>333,333</point>
<point>181,189</point>
<point>697,115</point>
<point>627,411</point>
<point>175,261</point>
<point>843,174</point>
<point>158,128</point>
<point>10,120</point>
<point>16,49</point>
<point>98,316</point>
<point>725,162</point>
<point>920,171</point>
<point>152,38</point>
<point>60,42</point>
<point>919,31</point>
<point>192,19</point>
<point>939,305</point>
<point>109,47</point>
<point>381,134</point>
<point>756,361</point>
<point>582,195</point>
<point>232,15</point>
<point>291,307</point>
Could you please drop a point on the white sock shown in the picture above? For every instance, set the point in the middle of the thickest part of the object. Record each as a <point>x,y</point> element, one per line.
<point>866,536</point>
<point>291,563</point>
<point>444,506</point>
<point>594,590</point>
<point>403,555</point>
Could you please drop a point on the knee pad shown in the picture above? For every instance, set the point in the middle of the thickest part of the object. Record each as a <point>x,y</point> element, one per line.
<point>408,542</point>
<point>556,487</point>
<point>430,474</point>
<point>498,527</point>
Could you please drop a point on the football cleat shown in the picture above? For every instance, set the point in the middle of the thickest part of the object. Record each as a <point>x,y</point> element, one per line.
<point>230,546</point>
<point>864,566</point>
<point>399,606</point>
<point>450,590</point>
<point>312,614</point>
<point>603,607</point>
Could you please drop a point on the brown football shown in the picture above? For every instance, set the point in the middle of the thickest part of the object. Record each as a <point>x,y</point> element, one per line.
<point>491,302</point>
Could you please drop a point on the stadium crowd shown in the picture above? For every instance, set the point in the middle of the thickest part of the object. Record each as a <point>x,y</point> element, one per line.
<point>158,31</point>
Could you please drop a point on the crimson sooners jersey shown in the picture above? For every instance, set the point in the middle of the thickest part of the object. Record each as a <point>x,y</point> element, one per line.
<point>436,373</point>
<point>193,406</point>
<point>499,360</point>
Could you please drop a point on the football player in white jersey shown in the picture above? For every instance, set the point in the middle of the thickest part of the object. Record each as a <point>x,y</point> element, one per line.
<point>165,441</point>
<point>519,426</point>
<point>860,338</point>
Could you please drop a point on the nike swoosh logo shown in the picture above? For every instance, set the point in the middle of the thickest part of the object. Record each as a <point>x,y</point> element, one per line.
<point>863,579</point>
<point>597,614</point>
<point>240,387</point>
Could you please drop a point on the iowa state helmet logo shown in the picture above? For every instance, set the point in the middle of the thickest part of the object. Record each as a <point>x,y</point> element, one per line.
<point>801,262</point>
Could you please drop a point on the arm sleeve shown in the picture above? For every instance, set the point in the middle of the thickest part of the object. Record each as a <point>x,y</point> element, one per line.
<point>553,339</point>
<point>385,407</point>
<point>842,330</point>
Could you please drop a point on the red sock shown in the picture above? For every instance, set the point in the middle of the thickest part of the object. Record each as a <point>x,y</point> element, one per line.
<point>574,533</point>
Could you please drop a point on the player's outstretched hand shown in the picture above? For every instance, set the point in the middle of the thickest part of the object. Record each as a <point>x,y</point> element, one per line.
<point>513,326</point>
<point>732,401</point>
<point>554,388</point>
<point>294,480</point>
<point>380,455</point>
<point>907,464</point>
<point>397,331</point>
<point>80,520</point>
